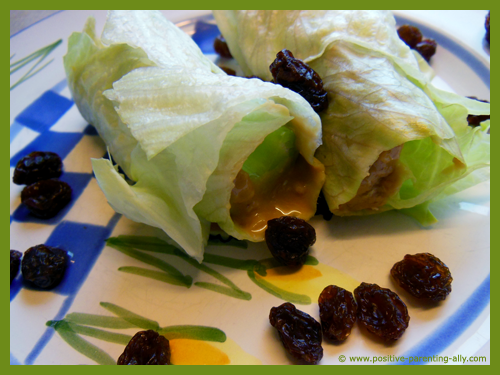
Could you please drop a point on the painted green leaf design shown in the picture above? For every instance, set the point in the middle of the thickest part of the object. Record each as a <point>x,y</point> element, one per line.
<point>231,292</point>
<point>102,321</point>
<point>216,241</point>
<point>81,345</point>
<point>157,275</point>
<point>193,333</point>
<point>117,338</point>
<point>129,316</point>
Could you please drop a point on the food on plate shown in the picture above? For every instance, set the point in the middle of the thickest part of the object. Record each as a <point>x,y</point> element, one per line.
<point>289,238</point>
<point>337,311</point>
<point>297,76</point>
<point>423,276</point>
<point>384,114</point>
<point>198,145</point>
<point>476,120</point>
<point>37,166</point>
<point>221,48</point>
<point>15,263</point>
<point>44,266</point>
<point>299,332</point>
<point>381,311</point>
<point>44,199</point>
<point>146,348</point>
<point>487,27</point>
<point>412,36</point>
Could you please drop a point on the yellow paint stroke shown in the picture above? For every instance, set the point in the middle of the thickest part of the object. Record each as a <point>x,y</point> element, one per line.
<point>309,280</point>
<point>195,352</point>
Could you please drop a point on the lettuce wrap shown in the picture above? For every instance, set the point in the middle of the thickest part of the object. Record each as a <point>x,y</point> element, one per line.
<point>198,147</point>
<point>391,140</point>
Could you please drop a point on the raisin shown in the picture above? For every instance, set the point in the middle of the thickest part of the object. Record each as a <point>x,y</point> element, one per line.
<point>288,238</point>
<point>46,198</point>
<point>228,71</point>
<point>487,27</point>
<point>476,120</point>
<point>423,276</point>
<point>322,207</point>
<point>297,76</point>
<point>381,311</point>
<point>15,262</point>
<point>299,332</point>
<point>44,266</point>
<point>427,48</point>
<point>146,348</point>
<point>337,311</point>
<point>37,166</point>
<point>411,35</point>
<point>221,47</point>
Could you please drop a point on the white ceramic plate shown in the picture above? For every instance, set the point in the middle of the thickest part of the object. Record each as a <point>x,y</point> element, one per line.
<point>43,117</point>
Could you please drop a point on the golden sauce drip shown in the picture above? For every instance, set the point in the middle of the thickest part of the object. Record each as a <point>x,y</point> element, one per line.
<point>194,352</point>
<point>294,193</point>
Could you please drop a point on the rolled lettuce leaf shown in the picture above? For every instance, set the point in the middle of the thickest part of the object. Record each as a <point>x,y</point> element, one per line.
<point>180,128</point>
<point>382,106</point>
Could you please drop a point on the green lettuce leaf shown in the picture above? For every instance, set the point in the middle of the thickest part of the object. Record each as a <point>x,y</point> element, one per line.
<point>170,118</point>
<point>380,95</point>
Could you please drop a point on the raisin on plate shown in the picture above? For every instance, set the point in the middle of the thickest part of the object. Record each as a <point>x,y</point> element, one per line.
<point>299,332</point>
<point>337,311</point>
<point>46,198</point>
<point>411,35</point>
<point>423,276</point>
<point>221,47</point>
<point>15,262</point>
<point>381,311</point>
<point>44,266</point>
<point>37,166</point>
<point>476,120</point>
<point>322,207</point>
<point>297,76</point>
<point>427,48</point>
<point>289,238</point>
<point>487,27</point>
<point>146,348</point>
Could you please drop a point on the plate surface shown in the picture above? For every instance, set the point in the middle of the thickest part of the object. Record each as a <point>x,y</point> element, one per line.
<point>236,329</point>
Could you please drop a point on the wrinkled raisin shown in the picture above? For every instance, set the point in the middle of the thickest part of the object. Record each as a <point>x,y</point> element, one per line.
<point>44,266</point>
<point>487,27</point>
<point>37,166</point>
<point>46,198</point>
<point>381,311</point>
<point>476,120</point>
<point>15,262</point>
<point>228,71</point>
<point>411,35</point>
<point>427,48</point>
<point>424,276</point>
<point>299,332</point>
<point>221,47</point>
<point>297,76</point>
<point>337,311</point>
<point>322,207</point>
<point>146,348</point>
<point>288,238</point>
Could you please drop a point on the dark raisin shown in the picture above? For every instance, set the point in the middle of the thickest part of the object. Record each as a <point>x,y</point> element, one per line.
<point>487,27</point>
<point>37,166</point>
<point>411,35</point>
<point>381,311</point>
<point>288,238</point>
<point>337,311</point>
<point>221,47</point>
<point>322,207</point>
<point>146,348</point>
<point>44,266</point>
<point>427,48</point>
<point>297,76</point>
<point>15,262</point>
<point>476,120</point>
<point>299,332</point>
<point>423,276</point>
<point>46,198</point>
<point>228,71</point>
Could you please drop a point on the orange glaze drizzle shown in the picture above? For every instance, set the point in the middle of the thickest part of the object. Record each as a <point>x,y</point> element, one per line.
<point>294,193</point>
